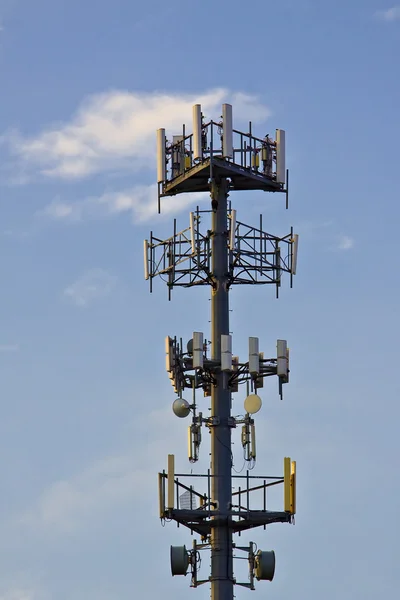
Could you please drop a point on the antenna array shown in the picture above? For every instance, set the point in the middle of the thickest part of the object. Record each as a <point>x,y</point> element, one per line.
<point>220,159</point>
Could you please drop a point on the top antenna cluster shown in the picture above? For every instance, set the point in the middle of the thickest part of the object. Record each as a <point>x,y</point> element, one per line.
<point>215,148</point>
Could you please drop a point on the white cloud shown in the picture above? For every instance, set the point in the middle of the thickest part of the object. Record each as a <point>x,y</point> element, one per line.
<point>116,130</point>
<point>92,285</point>
<point>345,242</point>
<point>139,201</point>
<point>390,14</point>
<point>68,504</point>
<point>64,503</point>
<point>60,210</point>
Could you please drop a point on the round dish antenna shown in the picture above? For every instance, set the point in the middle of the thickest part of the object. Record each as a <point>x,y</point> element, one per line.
<point>181,408</point>
<point>179,560</point>
<point>252,404</point>
<point>265,565</point>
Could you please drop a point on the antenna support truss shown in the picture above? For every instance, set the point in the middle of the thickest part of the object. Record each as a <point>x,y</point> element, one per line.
<point>255,257</point>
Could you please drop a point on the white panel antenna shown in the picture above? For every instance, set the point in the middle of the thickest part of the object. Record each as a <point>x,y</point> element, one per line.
<point>178,155</point>
<point>171,482</point>
<point>197,141</point>
<point>169,355</point>
<point>260,380</point>
<point>198,350</point>
<point>245,440</point>
<point>192,233</point>
<point>280,156</point>
<point>253,441</point>
<point>146,259</point>
<point>161,156</point>
<point>227,123</point>
<point>249,440</point>
<point>282,359</point>
<point>226,352</point>
<point>194,441</point>
<point>190,444</point>
<point>254,356</point>
<point>232,231</point>
<point>235,367</point>
<point>295,246</point>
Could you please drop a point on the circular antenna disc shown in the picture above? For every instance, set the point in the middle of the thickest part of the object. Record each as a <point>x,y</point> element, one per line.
<point>252,404</point>
<point>181,408</point>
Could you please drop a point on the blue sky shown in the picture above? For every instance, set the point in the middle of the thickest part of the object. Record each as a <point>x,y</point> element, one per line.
<point>86,418</point>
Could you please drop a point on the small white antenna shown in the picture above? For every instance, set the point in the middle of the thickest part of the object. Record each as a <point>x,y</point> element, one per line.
<point>197,145</point>
<point>253,441</point>
<point>198,350</point>
<point>280,156</point>
<point>161,157</point>
<point>194,441</point>
<point>227,143</point>
<point>254,356</point>
<point>282,359</point>
<point>260,380</point>
<point>249,438</point>
<point>171,482</point>
<point>169,354</point>
<point>146,259</point>
<point>226,352</point>
<point>235,367</point>
<point>295,247</point>
<point>192,233</point>
<point>232,232</point>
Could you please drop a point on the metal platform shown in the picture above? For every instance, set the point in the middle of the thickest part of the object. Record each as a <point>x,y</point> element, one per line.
<point>197,178</point>
<point>202,522</point>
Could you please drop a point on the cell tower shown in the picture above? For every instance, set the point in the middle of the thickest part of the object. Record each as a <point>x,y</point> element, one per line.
<point>219,159</point>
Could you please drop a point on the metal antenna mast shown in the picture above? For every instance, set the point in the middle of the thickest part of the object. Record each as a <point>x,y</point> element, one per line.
<point>220,159</point>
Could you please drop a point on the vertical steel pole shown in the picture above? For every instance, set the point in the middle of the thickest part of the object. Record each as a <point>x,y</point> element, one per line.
<point>221,456</point>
